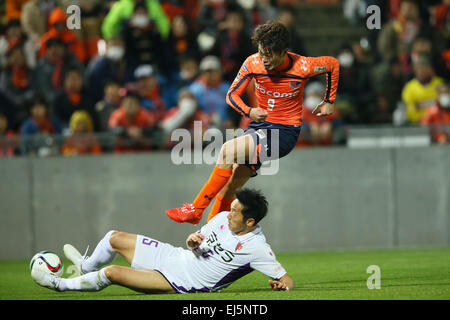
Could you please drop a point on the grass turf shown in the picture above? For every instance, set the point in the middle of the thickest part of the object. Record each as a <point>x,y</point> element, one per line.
<point>405,274</point>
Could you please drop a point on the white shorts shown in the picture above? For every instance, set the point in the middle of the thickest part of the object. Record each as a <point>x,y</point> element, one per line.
<point>151,254</point>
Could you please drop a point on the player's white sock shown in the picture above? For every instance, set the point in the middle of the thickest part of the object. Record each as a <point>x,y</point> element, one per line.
<point>92,281</point>
<point>103,254</point>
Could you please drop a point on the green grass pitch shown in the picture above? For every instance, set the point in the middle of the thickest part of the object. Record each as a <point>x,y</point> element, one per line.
<point>405,274</point>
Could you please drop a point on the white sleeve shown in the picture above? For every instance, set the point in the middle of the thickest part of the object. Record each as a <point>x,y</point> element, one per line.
<point>266,262</point>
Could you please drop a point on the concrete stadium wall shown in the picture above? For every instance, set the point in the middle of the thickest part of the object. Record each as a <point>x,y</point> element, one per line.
<point>320,199</point>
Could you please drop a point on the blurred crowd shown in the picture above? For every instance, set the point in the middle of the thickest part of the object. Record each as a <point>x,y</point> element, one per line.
<point>135,70</point>
<point>398,74</point>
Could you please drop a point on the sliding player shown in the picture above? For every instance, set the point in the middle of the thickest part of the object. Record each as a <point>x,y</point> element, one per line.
<point>230,246</point>
<point>279,77</point>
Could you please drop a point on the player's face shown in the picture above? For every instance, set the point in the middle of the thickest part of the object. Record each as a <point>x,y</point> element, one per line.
<point>270,59</point>
<point>236,221</point>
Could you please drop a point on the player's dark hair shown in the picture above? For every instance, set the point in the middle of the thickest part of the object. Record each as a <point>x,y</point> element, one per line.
<point>272,36</point>
<point>254,202</point>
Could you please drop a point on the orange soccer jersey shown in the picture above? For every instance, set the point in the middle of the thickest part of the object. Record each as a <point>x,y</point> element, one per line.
<point>280,91</point>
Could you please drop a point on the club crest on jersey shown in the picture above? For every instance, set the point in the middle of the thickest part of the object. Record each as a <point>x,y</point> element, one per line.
<point>294,84</point>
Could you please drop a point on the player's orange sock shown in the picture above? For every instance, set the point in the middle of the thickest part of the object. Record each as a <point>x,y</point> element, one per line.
<point>217,180</point>
<point>220,204</point>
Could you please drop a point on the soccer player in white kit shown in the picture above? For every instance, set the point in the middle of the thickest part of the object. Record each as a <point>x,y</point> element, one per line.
<point>230,246</point>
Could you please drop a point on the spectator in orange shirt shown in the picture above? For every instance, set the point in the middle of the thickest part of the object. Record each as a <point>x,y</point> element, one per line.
<point>81,140</point>
<point>148,89</point>
<point>58,29</point>
<point>132,124</point>
<point>438,116</point>
<point>441,16</point>
<point>49,74</point>
<point>14,8</point>
<point>317,130</point>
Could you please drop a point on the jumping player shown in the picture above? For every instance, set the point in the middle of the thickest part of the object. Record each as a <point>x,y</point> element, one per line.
<point>279,77</point>
<point>230,246</point>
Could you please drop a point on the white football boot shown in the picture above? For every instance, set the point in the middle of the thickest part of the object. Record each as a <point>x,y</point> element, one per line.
<point>45,279</point>
<point>75,256</point>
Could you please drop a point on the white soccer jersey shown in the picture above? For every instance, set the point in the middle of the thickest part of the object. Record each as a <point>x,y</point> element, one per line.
<point>222,258</point>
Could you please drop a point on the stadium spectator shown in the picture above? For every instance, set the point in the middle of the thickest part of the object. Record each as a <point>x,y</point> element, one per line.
<point>355,96</point>
<point>286,15</point>
<point>48,76</point>
<point>58,29</point>
<point>8,143</point>
<point>173,8</point>
<point>257,12</point>
<point>186,8</point>
<point>420,93</point>
<point>132,124</point>
<point>397,36</point>
<point>14,36</point>
<point>108,105</point>
<point>440,18</point>
<point>188,72</point>
<point>233,44</point>
<point>38,130</point>
<point>182,40</point>
<point>81,140</point>
<point>211,13</point>
<point>355,12</point>
<point>73,98</point>
<point>388,84</point>
<point>210,90</point>
<point>317,130</point>
<point>148,89</point>
<point>438,115</point>
<point>90,21</point>
<point>35,14</point>
<point>423,46</point>
<point>123,9</point>
<point>16,81</point>
<point>41,120</point>
<point>143,42</point>
<point>183,115</point>
<point>105,68</point>
<point>393,8</point>
<point>14,8</point>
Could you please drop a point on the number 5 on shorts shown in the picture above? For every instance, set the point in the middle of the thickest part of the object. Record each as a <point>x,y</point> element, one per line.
<point>149,242</point>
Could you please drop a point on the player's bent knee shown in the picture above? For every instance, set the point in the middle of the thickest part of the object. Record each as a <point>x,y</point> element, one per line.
<point>119,240</point>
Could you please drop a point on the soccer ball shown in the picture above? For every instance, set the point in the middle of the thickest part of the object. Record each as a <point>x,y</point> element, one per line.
<point>47,261</point>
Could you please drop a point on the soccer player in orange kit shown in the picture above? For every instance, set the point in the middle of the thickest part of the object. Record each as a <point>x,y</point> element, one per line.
<point>279,77</point>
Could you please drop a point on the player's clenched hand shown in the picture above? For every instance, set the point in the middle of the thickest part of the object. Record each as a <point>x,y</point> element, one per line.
<point>278,285</point>
<point>323,109</point>
<point>258,114</point>
<point>194,240</point>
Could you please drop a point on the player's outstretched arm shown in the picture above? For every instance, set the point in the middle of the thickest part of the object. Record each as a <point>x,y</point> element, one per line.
<point>284,284</point>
